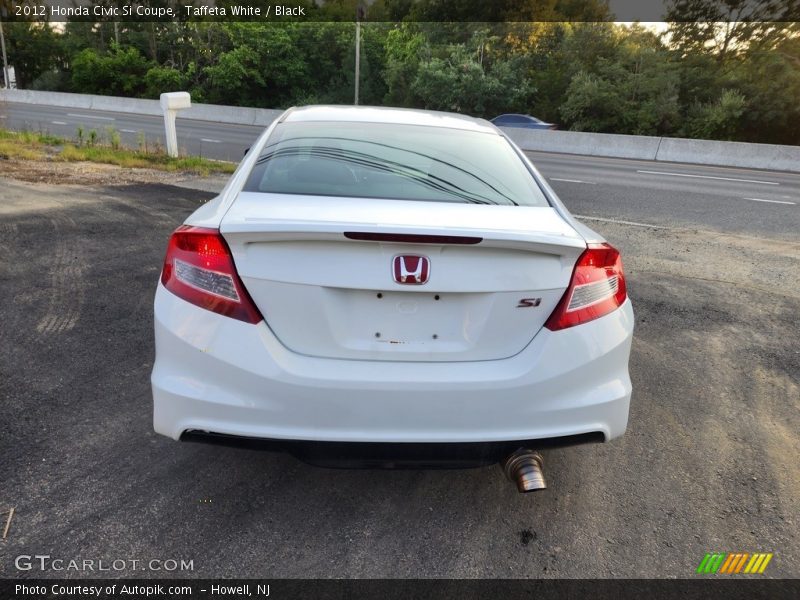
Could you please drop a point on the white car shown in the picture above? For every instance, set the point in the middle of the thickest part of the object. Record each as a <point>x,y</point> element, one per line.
<point>388,287</point>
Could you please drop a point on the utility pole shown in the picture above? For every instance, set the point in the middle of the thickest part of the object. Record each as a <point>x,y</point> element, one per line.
<point>5,59</point>
<point>361,12</point>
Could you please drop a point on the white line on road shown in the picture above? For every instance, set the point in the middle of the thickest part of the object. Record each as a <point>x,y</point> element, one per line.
<point>708,177</point>
<point>212,141</point>
<point>771,201</point>
<point>91,117</point>
<point>128,130</point>
<point>634,223</point>
<point>3,116</point>
<point>572,181</point>
<point>58,122</point>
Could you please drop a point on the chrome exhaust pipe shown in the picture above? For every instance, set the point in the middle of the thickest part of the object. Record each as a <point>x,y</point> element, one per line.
<point>524,467</point>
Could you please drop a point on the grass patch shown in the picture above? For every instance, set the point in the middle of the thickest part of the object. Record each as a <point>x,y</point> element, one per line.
<point>135,159</point>
<point>30,145</point>
<point>13,150</point>
<point>30,138</point>
<point>21,146</point>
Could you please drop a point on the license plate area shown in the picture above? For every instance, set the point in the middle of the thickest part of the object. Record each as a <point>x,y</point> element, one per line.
<point>392,321</point>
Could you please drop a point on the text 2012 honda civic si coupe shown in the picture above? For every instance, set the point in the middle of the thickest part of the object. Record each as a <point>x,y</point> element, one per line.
<point>388,287</point>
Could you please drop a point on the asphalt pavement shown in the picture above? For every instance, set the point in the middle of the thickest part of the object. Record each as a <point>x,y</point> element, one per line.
<point>745,201</point>
<point>709,462</point>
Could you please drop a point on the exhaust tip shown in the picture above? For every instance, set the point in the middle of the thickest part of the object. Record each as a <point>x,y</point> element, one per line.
<point>524,467</point>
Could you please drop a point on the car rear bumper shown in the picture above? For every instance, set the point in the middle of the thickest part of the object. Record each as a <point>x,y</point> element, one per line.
<point>217,375</point>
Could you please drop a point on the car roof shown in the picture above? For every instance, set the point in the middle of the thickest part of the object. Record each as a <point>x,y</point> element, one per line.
<point>378,114</point>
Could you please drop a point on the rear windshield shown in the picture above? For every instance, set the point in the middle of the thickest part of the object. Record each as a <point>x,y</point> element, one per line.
<point>395,162</point>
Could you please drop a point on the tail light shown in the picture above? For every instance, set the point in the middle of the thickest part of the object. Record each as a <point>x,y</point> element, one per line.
<point>597,288</point>
<point>199,269</point>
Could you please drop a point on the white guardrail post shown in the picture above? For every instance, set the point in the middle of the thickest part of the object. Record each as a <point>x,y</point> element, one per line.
<point>171,103</point>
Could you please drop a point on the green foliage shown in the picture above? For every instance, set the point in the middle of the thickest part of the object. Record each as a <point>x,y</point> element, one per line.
<point>160,79</point>
<point>633,89</point>
<point>31,138</point>
<point>119,72</point>
<point>54,80</point>
<point>728,28</point>
<point>237,73</point>
<point>467,81</point>
<point>724,70</point>
<point>718,120</point>
<point>405,48</point>
<point>33,49</point>
<point>592,104</point>
<point>114,138</point>
<point>770,81</point>
<point>263,68</point>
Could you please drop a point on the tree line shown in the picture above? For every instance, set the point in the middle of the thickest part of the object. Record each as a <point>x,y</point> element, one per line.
<point>713,78</point>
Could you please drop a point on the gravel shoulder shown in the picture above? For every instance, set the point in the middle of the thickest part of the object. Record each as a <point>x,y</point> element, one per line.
<point>85,173</point>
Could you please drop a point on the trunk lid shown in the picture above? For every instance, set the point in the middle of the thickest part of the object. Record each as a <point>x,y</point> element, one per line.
<point>325,294</point>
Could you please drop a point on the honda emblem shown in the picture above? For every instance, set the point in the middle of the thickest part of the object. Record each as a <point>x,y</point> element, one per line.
<point>411,269</point>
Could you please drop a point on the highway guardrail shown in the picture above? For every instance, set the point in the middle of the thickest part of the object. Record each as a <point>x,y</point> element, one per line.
<point>681,150</point>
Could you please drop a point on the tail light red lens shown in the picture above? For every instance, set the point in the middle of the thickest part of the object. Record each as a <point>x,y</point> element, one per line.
<point>199,268</point>
<point>597,288</point>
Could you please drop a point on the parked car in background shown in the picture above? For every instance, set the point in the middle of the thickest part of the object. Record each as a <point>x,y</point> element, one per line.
<point>526,121</point>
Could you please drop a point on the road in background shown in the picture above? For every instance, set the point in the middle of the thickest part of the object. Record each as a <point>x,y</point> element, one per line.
<point>746,201</point>
<point>222,141</point>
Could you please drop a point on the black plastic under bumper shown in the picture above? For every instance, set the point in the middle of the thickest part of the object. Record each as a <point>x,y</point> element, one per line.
<point>352,455</point>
